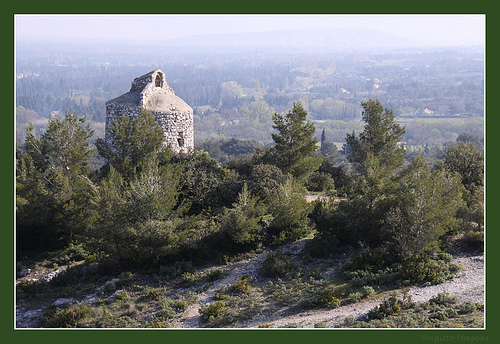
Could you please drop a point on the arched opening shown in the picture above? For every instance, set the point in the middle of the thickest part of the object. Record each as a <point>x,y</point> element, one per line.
<point>158,80</point>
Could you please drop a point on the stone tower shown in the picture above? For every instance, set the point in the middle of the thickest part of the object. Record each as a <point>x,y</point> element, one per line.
<point>151,92</point>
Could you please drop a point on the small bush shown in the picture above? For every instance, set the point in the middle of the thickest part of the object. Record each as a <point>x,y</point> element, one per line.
<point>392,306</point>
<point>153,293</point>
<point>454,267</point>
<point>355,297</point>
<point>67,317</point>
<point>266,325</point>
<point>328,298</point>
<point>181,306</point>
<point>221,293</point>
<point>443,299</point>
<point>349,321</point>
<point>166,311</point>
<point>122,296</point>
<point>241,286</point>
<point>360,278</point>
<point>321,324</point>
<point>473,240</point>
<point>444,256</point>
<point>423,268</point>
<point>214,310</point>
<point>290,325</point>
<point>443,314</point>
<point>74,253</point>
<point>276,265</point>
<point>466,307</point>
<point>189,278</point>
<point>179,268</point>
<point>368,290</point>
<point>157,324</point>
<point>214,275</point>
<point>28,288</point>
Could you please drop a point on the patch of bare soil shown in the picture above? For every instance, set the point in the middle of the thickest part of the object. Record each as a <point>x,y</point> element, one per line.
<point>468,285</point>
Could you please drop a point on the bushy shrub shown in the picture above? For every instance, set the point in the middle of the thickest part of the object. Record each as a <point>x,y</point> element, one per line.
<point>28,289</point>
<point>178,268</point>
<point>466,307</point>
<point>321,324</point>
<point>181,305</point>
<point>319,181</point>
<point>423,268</point>
<point>443,299</point>
<point>454,267</point>
<point>349,322</point>
<point>153,293</point>
<point>157,324</point>
<point>67,317</point>
<point>325,243</point>
<point>391,306</point>
<point>241,286</point>
<point>74,252</point>
<point>360,278</point>
<point>265,325</point>
<point>214,275</point>
<point>368,290</point>
<point>189,278</point>
<point>276,265</point>
<point>355,297</point>
<point>265,179</point>
<point>473,240</point>
<point>444,256</point>
<point>329,297</point>
<point>443,314</point>
<point>241,223</point>
<point>214,310</point>
<point>369,260</point>
<point>289,209</point>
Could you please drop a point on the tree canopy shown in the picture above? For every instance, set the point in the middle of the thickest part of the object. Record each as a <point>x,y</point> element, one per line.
<point>295,142</point>
<point>381,137</point>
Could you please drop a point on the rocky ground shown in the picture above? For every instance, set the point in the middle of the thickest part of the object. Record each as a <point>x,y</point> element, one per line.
<point>468,285</point>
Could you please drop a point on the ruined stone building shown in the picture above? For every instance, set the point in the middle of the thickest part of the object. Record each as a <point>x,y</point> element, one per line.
<point>151,92</point>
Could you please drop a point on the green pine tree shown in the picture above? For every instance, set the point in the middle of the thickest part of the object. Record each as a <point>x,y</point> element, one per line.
<point>381,137</point>
<point>55,197</point>
<point>295,143</point>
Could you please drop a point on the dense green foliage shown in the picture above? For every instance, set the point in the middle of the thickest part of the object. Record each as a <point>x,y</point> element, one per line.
<point>54,196</point>
<point>149,207</point>
<point>131,142</point>
<point>294,143</point>
<point>380,139</point>
<point>397,215</point>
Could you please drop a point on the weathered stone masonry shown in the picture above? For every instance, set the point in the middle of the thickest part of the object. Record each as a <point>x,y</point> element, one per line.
<point>151,92</point>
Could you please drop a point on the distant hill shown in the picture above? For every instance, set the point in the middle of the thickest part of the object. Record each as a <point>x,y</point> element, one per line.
<point>317,39</point>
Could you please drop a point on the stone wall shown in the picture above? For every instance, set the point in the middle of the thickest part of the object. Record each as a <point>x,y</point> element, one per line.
<point>151,92</point>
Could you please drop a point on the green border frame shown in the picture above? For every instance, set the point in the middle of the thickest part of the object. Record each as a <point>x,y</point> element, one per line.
<point>254,7</point>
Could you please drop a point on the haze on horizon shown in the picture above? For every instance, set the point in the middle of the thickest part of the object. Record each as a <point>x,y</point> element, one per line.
<point>422,30</point>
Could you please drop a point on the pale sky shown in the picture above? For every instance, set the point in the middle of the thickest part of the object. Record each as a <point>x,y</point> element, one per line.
<point>429,30</point>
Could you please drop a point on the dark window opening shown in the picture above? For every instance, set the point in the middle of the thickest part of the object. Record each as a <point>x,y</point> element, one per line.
<point>158,80</point>
<point>180,139</point>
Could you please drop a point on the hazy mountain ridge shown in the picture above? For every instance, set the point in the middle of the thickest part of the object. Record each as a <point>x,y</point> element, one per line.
<point>343,39</point>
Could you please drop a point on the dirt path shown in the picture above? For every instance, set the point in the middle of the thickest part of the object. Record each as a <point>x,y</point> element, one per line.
<point>468,285</point>
<point>248,267</point>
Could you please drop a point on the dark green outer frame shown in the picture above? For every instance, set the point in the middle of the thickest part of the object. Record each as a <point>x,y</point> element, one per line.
<point>9,335</point>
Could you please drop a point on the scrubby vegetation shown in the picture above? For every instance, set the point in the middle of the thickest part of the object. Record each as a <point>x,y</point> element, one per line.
<point>442,311</point>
